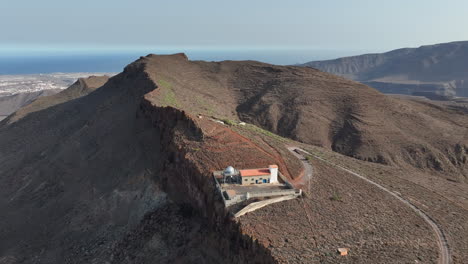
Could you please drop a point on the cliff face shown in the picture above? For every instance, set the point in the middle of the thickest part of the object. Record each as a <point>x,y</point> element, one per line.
<point>438,69</point>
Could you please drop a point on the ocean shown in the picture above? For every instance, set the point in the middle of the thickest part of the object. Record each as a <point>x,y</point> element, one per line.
<point>63,62</point>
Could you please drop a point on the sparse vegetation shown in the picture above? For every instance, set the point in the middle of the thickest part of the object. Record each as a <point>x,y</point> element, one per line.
<point>169,97</point>
<point>204,104</point>
<point>264,132</point>
<point>229,122</point>
<point>194,149</point>
<point>336,197</point>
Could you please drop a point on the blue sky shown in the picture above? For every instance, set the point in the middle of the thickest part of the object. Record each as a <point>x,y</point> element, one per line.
<point>217,24</point>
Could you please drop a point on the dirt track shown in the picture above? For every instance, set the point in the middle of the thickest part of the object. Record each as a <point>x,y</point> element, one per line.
<point>444,250</point>
<point>308,170</point>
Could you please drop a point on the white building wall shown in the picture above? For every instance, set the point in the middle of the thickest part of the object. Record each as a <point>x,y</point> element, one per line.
<point>274,174</point>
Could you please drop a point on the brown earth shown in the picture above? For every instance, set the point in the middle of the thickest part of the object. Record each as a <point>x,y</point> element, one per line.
<point>123,174</point>
<point>443,200</point>
<point>342,211</point>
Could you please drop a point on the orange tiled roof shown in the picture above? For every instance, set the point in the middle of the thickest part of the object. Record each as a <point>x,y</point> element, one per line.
<point>254,172</point>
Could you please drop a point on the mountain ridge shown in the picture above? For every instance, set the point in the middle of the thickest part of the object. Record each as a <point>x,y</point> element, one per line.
<point>315,108</point>
<point>439,69</point>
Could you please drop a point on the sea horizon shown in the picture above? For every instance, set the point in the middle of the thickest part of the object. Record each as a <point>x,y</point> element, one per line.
<point>16,62</point>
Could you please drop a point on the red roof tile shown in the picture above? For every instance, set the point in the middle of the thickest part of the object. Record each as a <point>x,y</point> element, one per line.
<point>254,172</point>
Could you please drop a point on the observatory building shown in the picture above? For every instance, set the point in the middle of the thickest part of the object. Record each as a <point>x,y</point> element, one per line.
<point>236,186</point>
<point>250,176</point>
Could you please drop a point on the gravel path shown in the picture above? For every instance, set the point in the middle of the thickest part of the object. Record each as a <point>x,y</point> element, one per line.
<point>308,170</point>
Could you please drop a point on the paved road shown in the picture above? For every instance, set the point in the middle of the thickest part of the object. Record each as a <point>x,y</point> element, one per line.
<point>444,256</point>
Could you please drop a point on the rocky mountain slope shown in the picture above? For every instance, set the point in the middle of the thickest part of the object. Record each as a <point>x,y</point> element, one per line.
<point>320,109</point>
<point>440,69</point>
<point>123,174</point>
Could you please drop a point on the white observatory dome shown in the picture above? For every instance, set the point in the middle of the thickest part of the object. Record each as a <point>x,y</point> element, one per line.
<point>229,171</point>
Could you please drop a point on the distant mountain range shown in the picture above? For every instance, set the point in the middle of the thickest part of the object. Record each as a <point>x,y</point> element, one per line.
<point>81,87</point>
<point>11,103</point>
<point>17,91</point>
<point>439,70</point>
<point>27,83</point>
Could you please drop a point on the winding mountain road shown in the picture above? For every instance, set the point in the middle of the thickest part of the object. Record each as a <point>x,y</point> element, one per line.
<point>444,255</point>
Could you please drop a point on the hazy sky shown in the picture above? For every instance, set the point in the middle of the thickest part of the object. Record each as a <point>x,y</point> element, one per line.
<point>309,24</point>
